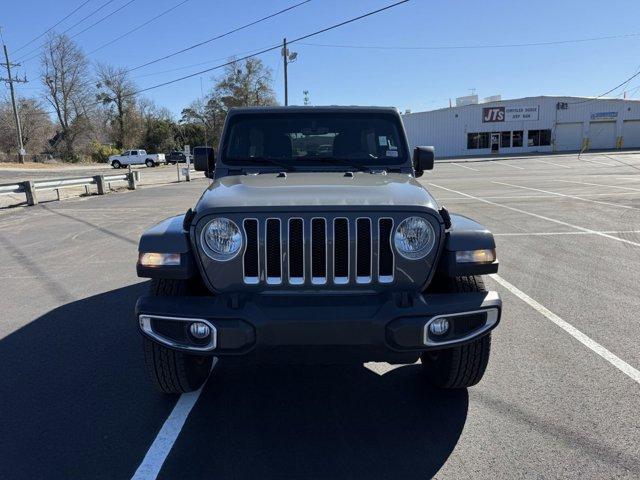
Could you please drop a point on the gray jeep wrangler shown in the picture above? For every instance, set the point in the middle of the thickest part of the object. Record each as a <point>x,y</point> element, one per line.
<point>315,243</point>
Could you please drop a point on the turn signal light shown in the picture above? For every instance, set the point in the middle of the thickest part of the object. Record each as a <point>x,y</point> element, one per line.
<point>149,259</point>
<point>476,256</point>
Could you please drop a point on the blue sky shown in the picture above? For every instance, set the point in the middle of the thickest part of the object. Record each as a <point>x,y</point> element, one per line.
<point>405,78</point>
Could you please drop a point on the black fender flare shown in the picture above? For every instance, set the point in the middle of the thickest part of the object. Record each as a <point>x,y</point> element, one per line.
<point>168,236</point>
<point>466,234</point>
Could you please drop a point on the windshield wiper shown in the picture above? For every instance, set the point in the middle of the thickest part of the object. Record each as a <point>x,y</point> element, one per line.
<point>344,162</point>
<point>262,160</point>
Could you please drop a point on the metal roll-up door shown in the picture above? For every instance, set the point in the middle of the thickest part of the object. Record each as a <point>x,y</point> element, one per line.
<point>602,135</point>
<point>568,136</point>
<point>631,134</point>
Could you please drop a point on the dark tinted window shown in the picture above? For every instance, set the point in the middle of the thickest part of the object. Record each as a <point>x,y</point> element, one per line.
<point>517,138</point>
<point>314,139</point>
<point>505,139</point>
<point>478,140</point>
<point>539,138</point>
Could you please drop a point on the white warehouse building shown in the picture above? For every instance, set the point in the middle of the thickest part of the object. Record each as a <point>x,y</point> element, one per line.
<point>530,124</point>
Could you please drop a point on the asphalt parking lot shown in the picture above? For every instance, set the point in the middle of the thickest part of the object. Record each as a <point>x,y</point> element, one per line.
<point>560,398</point>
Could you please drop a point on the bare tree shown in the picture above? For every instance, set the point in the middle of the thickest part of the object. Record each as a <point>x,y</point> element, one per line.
<point>37,127</point>
<point>65,75</point>
<point>117,92</point>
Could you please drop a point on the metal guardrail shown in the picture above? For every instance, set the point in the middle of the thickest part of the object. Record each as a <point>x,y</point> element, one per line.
<point>30,187</point>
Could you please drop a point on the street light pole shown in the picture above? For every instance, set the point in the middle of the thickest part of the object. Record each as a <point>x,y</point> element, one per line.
<point>285,54</point>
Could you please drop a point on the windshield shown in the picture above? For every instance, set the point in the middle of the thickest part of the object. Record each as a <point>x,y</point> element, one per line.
<point>314,139</point>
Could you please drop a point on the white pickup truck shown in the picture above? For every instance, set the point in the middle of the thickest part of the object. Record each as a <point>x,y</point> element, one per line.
<point>136,157</point>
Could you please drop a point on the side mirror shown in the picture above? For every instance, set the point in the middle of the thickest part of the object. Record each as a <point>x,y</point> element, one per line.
<point>423,158</point>
<point>204,160</point>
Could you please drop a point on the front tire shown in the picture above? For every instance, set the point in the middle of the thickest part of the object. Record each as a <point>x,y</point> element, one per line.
<point>116,164</point>
<point>172,371</point>
<point>462,366</point>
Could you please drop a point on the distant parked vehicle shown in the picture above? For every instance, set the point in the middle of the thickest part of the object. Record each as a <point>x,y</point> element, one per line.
<point>176,157</point>
<point>136,157</point>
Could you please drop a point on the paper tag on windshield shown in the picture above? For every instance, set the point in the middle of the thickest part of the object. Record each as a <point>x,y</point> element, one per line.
<point>382,140</point>
<point>392,153</point>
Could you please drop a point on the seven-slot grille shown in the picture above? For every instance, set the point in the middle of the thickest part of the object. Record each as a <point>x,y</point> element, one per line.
<point>318,251</point>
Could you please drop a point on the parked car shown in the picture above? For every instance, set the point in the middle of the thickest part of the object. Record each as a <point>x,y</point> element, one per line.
<point>176,157</point>
<point>136,157</point>
<point>309,255</point>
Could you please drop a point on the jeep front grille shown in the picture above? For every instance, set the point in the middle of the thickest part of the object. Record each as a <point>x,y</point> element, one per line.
<point>318,251</point>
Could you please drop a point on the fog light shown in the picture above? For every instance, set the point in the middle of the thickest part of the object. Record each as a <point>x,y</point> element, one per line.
<point>199,330</point>
<point>439,326</point>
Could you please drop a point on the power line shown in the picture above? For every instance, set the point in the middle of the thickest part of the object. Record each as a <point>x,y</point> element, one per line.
<point>137,27</point>
<point>474,47</point>
<point>279,45</point>
<point>217,37</point>
<point>103,18</point>
<point>608,91</point>
<point>51,28</point>
<point>65,31</point>
<point>265,50</point>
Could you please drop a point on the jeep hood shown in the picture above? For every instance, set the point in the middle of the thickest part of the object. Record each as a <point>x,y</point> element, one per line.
<point>299,189</point>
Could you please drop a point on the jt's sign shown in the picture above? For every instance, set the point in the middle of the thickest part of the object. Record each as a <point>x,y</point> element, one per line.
<point>493,114</point>
<point>509,114</point>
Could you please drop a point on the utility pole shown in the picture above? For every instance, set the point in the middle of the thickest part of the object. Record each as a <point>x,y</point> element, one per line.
<point>287,57</point>
<point>286,79</point>
<point>11,81</point>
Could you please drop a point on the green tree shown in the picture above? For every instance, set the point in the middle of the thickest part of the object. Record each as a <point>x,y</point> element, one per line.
<point>159,135</point>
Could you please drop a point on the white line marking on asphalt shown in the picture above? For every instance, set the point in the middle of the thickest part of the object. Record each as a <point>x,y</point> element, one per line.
<point>555,164</point>
<point>575,197</point>
<point>601,163</point>
<point>542,217</point>
<point>516,197</point>
<point>509,165</point>
<point>613,359</point>
<point>533,234</point>
<point>464,166</point>
<point>168,434</point>
<point>598,185</point>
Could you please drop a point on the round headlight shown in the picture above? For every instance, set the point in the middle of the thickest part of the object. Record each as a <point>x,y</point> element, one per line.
<point>414,238</point>
<point>223,238</point>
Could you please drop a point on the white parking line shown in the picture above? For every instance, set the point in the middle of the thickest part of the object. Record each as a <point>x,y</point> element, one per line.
<point>601,163</point>
<point>555,164</point>
<point>508,165</point>
<point>598,185</point>
<point>542,217</point>
<point>535,234</point>
<point>529,197</point>
<point>166,437</point>
<point>613,359</point>
<point>575,197</point>
<point>464,166</point>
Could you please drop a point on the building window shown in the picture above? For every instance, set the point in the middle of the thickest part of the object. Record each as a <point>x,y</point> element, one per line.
<point>478,140</point>
<point>505,139</point>
<point>517,138</point>
<point>539,138</point>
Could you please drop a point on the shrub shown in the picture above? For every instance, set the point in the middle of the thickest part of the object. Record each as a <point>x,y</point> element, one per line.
<point>100,152</point>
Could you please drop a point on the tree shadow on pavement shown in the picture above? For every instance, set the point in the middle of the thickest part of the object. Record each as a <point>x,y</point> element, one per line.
<point>74,398</point>
<point>75,402</point>
<point>324,422</point>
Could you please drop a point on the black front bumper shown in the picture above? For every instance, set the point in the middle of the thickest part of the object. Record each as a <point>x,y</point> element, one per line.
<point>363,327</point>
